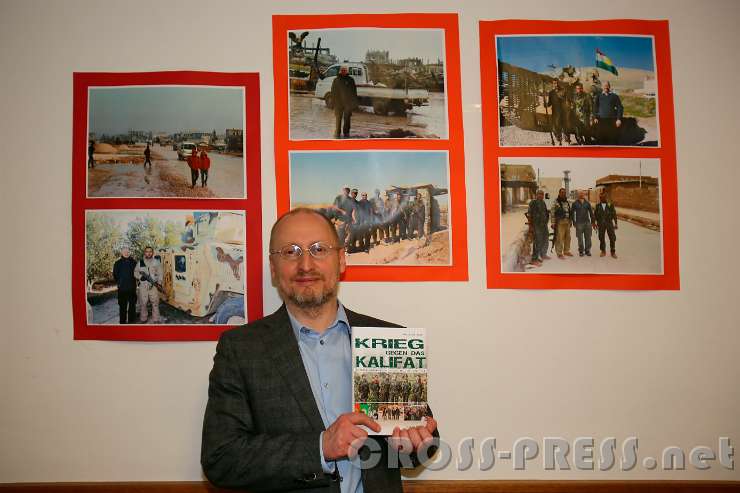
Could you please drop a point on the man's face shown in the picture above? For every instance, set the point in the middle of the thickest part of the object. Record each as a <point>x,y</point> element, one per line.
<point>148,253</point>
<point>354,194</point>
<point>345,191</point>
<point>125,252</point>
<point>307,282</point>
<point>579,89</point>
<point>602,197</point>
<point>554,84</point>
<point>343,71</point>
<point>581,195</point>
<point>540,195</point>
<point>364,196</point>
<point>561,193</point>
<point>607,87</point>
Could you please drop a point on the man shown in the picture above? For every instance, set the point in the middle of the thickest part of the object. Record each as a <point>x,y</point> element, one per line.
<point>205,165</point>
<point>606,220</point>
<point>582,109</point>
<point>194,164</point>
<point>608,114</point>
<point>538,218</point>
<point>582,216</point>
<point>345,205</point>
<point>123,274</point>
<point>378,211</point>
<point>355,227</point>
<point>90,156</point>
<point>556,99</point>
<point>561,225</point>
<point>149,273</point>
<point>280,396</point>
<point>365,212</point>
<point>344,97</point>
<point>147,156</point>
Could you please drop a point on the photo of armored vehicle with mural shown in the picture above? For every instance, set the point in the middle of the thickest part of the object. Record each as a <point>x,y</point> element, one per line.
<point>208,268</point>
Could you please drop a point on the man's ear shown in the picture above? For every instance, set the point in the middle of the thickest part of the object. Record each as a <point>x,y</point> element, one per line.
<point>272,271</point>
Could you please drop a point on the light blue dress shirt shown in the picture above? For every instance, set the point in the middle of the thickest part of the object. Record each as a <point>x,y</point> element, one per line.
<point>327,358</point>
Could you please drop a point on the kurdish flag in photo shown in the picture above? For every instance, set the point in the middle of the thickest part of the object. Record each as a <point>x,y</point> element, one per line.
<point>603,61</point>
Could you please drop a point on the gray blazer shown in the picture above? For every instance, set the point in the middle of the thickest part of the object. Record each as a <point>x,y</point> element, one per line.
<point>261,427</point>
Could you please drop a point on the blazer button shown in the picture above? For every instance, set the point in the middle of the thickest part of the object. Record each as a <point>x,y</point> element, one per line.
<point>311,477</point>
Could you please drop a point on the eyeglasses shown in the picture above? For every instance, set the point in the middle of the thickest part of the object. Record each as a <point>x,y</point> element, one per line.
<point>318,250</point>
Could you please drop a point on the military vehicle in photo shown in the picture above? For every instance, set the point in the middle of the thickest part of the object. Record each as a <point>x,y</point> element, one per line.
<point>208,268</point>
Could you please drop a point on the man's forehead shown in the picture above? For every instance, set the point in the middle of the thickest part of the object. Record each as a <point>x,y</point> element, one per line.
<point>302,228</point>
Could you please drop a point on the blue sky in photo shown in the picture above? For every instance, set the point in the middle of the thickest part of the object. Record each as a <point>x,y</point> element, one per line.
<point>318,177</point>
<point>536,53</point>
<point>116,110</point>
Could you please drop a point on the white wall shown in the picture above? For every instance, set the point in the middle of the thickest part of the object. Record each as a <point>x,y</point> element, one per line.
<point>659,365</point>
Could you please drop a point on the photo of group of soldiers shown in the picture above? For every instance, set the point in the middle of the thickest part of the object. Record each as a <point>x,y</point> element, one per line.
<point>565,215</point>
<point>390,388</point>
<point>593,118</point>
<point>366,222</point>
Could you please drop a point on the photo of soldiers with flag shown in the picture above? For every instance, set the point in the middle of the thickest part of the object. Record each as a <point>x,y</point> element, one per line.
<point>563,90</point>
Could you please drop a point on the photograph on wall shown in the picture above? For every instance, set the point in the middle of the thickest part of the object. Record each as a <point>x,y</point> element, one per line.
<point>166,141</point>
<point>389,207</point>
<point>580,215</point>
<point>365,83</point>
<point>577,90</point>
<point>162,267</point>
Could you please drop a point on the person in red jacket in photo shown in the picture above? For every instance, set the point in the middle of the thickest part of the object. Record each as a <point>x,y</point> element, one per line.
<point>205,165</point>
<point>194,163</point>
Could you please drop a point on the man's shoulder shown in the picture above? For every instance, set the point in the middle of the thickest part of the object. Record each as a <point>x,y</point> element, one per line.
<point>256,328</point>
<point>361,320</point>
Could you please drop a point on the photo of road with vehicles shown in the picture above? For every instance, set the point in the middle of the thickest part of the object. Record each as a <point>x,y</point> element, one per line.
<point>142,140</point>
<point>398,80</point>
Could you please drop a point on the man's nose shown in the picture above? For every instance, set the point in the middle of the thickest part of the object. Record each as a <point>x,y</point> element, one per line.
<point>306,261</point>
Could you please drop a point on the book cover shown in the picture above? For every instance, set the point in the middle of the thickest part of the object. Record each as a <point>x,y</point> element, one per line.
<point>389,376</point>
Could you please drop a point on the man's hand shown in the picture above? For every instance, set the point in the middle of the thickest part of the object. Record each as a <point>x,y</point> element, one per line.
<point>407,440</point>
<point>343,437</point>
<point>619,123</point>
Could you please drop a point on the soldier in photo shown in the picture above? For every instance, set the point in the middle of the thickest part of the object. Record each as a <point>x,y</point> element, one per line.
<point>344,97</point>
<point>374,390</point>
<point>148,156</point>
<point>582,110</point>
<point>582,217</point>
<point>606,221</point>
<point>363,389</point>
<point>539,217</point>
<point>90,152</point>
<point>377,231</point>
<point>365,211</point>
<point>608,112</point>
<point>344,205</point>
<point>385,388</point>
<point>149,273</point>
<point>123,274</point>
<point>562,225</point>
<point>557,101</point>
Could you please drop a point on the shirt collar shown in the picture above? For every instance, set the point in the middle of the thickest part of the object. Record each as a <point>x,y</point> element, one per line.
<point>339,320</point>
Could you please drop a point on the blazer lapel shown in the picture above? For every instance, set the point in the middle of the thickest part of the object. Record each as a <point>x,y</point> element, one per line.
<point>281,341</point>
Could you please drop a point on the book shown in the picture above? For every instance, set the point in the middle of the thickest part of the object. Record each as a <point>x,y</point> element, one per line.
<point>389,376</point>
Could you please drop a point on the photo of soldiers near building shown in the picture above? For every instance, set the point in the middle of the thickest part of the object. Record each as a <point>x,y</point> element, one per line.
<point>388,207</point>
<point>577,90</point>
<point>367,83</point>
<point>157,141</point>
<point>390,387</point>
<point>165,267</point>
<point>616,199</point>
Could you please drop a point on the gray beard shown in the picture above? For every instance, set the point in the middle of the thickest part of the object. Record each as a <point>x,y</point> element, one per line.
<point>310,301</point>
